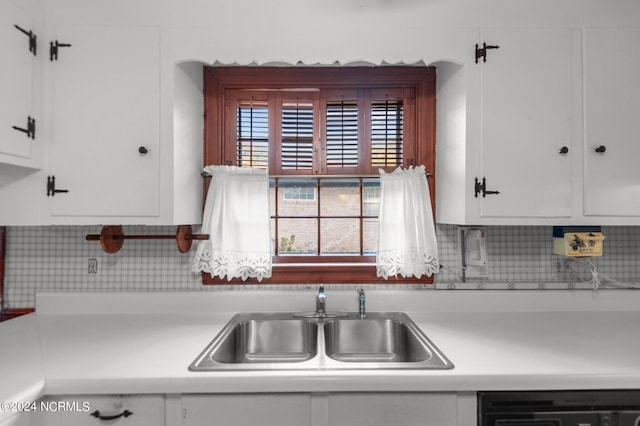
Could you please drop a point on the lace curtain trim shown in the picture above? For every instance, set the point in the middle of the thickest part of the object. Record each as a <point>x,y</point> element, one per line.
<point>391,263</point>
<point>231,265</point>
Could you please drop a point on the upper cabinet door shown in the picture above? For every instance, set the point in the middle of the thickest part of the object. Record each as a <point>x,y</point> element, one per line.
<point>526,144</point>
<point>612,122</point>
<point>105,124</point>
<point>16,85</point>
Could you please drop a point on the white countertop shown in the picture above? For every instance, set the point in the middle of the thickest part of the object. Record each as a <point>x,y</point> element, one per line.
<point>84,343</point>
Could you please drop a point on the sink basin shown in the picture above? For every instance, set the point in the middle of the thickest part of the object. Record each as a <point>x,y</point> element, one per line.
<point>381,338</point>
<point>260,339</point>
<point>290,341</point>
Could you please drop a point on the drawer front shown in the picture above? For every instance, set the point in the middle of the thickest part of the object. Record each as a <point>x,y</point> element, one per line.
<point>92,410</point>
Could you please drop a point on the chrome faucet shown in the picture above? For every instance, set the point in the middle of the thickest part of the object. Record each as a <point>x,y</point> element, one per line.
<point>362,313</point>
<point>321,299</point>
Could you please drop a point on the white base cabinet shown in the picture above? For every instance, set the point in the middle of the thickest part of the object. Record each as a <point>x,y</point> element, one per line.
<point>392,409</point>
<point>322,409</point>
<point>247,409</point>
<point>265,409</point>
<point>19,419</point>
<point>92,410</point>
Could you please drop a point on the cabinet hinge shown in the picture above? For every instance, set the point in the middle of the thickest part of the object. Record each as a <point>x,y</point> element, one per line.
<point>30,130</point>
<point>51,187</point>
<point>53,49</point>
<point>481,52</point>
<point>481,188</point>
<point>32,39</point>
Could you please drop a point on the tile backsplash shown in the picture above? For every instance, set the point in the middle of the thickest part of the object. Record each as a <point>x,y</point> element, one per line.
<point>58,258</point>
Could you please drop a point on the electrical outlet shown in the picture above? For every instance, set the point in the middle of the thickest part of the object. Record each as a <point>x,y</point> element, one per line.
<point>562,266</point>
<point>93,266</point>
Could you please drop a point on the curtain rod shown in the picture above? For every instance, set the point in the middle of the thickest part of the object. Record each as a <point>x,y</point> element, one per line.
<point>207,175</point>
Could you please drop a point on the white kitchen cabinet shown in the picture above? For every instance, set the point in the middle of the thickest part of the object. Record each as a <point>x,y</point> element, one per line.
<point>322,409</point>
<point>247,409</point>
<point>102,103</point>
<point>18,50</point>
<point>91,410</point>
<point>612,124</point>
<point>104,109</point>
<point>526,123</point>
<point>519,142</point>
<point>19,419</point>
<point>392,409</point>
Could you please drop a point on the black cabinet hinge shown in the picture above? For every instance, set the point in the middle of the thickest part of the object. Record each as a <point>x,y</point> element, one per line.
<point>51,187</point>
<point>30,130</point>
<point>53,49</point>
<point>481,188</point>
<point>481,52</point>
<point>32,39</point>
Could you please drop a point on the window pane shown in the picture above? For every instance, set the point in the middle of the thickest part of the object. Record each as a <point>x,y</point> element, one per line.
<point>297,135</point>
<point>272,200</point>
<point>340,197</point>
<point>386,132</point>
<point>342,133</point>
<point>252,135</point>
<point>370,197</point>
<point>340,236</point>
<point>297,236</point>
<point>370,236</point>
<point>297,197</point>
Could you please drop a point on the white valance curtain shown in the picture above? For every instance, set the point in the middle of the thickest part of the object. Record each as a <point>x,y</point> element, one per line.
<point>317,61</point>
<point>406,232</point>
<point>236,217</point>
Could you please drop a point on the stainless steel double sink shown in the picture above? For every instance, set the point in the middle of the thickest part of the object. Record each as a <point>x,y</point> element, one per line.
<point>289,341</point>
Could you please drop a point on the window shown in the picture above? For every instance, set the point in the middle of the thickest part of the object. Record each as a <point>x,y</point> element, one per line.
<point>333,219</point>
<point>299,193</point>
<point>322,133</point>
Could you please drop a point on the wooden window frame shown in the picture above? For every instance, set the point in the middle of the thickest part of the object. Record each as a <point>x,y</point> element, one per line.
<point>418,149</point>
<point>7,314</point>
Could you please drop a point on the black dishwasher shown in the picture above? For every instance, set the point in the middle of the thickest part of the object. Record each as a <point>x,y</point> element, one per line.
<point>559,408</point>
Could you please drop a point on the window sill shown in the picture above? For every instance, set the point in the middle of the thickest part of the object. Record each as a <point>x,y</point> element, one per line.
<point>325,273</point>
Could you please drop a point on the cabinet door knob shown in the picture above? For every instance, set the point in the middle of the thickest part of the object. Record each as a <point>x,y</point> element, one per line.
<point>142,150</point>
<point>564,150</point>
<point>601,149</point>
